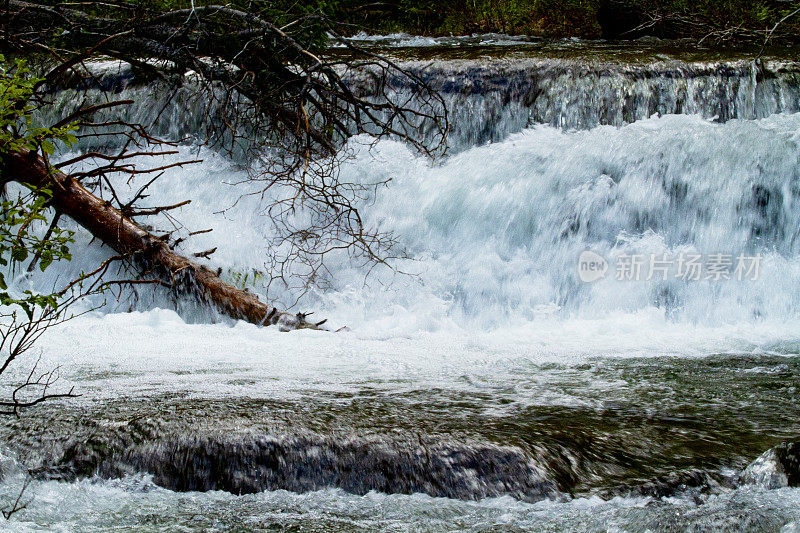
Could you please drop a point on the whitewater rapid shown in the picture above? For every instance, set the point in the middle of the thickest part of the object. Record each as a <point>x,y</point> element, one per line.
<point>491,284</point>
<point>134,502</point>
<point>492,236</point>
<point>484,331</point>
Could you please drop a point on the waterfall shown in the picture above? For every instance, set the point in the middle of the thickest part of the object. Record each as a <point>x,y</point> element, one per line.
<point>488,100</point>
<point>592,321</point>
<point>653,161</point>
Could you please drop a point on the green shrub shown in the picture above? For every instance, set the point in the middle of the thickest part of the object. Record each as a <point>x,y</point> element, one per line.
<point>18,240</point>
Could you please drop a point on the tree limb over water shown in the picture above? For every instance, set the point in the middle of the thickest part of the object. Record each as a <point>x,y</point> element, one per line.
<point>151,253</point>
<point>272,91</point>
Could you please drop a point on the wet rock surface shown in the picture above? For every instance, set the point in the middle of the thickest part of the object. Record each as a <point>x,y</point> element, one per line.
<point>651,441</point>
<point>247,446</point>
<point>693,481</point>
<point>240,460</point>
<point>243,465</point>
<point>776,468</point>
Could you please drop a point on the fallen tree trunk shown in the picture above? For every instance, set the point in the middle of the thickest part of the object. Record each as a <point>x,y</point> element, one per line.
<point>129,239</point>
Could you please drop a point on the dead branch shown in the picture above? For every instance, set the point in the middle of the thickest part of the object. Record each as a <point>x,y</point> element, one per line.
<point>126,237</point>
<point>205,254</point>
<point>155,210</point>
<point>18,505</point>
<point>272,90</point>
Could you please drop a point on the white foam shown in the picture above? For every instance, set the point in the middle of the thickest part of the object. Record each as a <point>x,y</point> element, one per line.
<point>494,234</point>
<point>133,502</point>
<point>141,354</point>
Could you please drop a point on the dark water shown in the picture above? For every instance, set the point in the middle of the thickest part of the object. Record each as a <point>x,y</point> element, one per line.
<point>606,428</point>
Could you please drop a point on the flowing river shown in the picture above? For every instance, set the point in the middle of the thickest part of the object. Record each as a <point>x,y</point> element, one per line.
<point>595,325</point>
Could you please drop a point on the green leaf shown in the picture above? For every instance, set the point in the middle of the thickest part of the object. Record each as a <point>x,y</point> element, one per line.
<point>19,254</point>
<point>45,261</point>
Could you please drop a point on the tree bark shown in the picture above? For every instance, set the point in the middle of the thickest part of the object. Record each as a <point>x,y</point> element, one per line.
<point>127,238</point>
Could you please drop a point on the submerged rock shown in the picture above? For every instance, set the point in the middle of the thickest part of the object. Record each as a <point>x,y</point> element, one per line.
<point>194,446</point>
<point>240,464</point>
<point>693,481</point>
<point>776,468</point>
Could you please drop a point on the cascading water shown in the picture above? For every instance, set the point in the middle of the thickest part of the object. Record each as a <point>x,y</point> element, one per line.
<point>494,232</point>
<point>482,365</point>
<point>489,101</point>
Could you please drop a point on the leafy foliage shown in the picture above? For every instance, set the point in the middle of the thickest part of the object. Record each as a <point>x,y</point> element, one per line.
<point>20,215</point>
<point>17,129</point>
<point>566,18</point>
